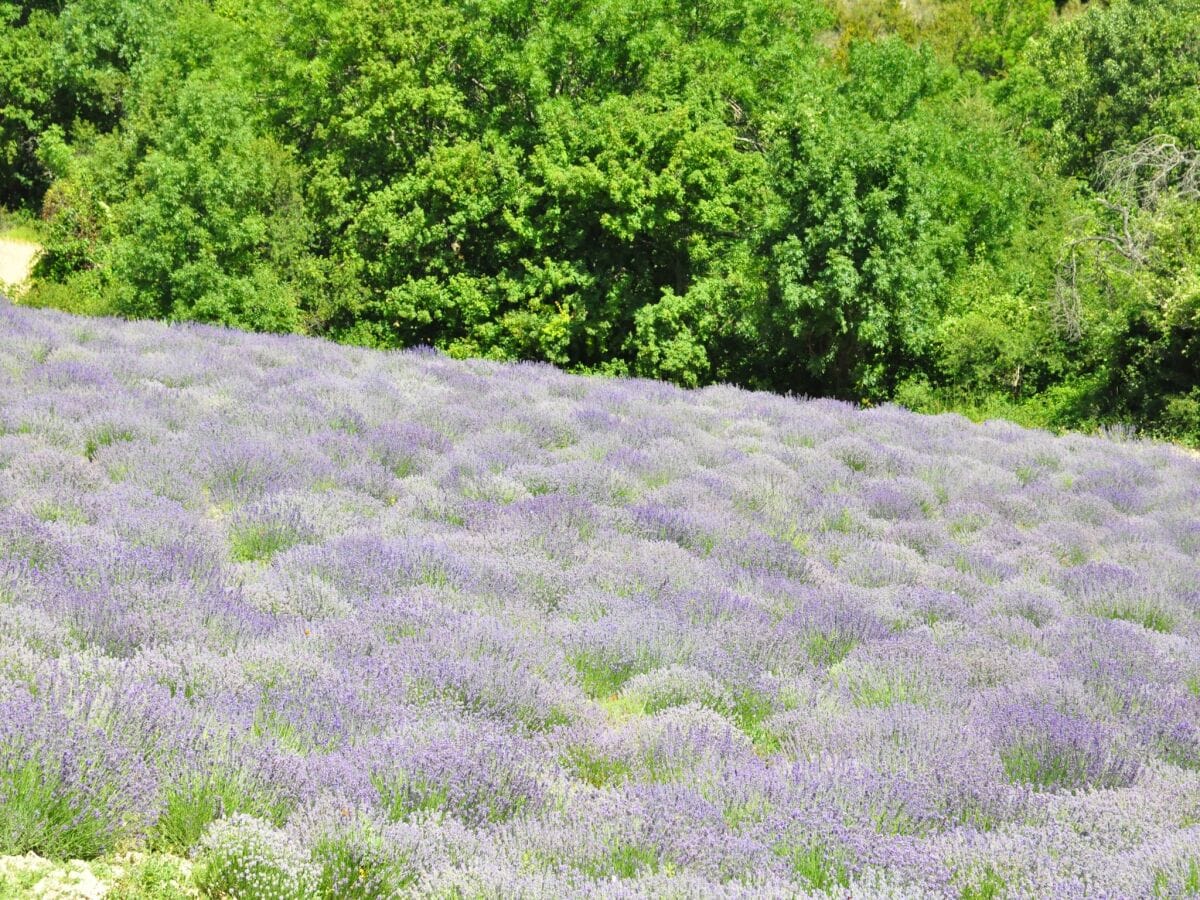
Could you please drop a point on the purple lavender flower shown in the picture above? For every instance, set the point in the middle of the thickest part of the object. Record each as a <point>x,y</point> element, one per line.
<point>345,623</point>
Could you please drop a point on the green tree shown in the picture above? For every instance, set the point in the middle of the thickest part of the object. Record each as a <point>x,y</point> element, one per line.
<point>1133,281</point>
<point>211,225</point>
<point>28,32</point>
<point>1111,77</point>
<point>893,186</point>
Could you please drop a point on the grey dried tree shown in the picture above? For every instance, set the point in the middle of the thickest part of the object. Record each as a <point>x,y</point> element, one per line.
<point>1134,185</point>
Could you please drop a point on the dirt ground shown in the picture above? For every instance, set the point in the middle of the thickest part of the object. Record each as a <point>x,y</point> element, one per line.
<point>16,261</point>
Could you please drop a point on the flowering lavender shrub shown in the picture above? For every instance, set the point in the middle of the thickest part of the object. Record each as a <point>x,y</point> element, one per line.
<point>244,857</point>
<point>66,789</point>
<point>341,623</point>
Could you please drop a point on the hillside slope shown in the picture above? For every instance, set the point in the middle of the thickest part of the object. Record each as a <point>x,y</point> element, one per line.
<point>412,625</point>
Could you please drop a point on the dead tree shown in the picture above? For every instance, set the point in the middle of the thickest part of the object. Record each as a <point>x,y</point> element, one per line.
<point>1133,186</point>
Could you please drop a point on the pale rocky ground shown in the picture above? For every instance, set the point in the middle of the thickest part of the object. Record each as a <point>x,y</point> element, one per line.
<point>16,262</point>
<point>131,876</point>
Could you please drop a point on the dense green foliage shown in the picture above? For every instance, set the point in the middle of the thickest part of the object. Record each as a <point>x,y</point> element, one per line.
<point>866,199</point>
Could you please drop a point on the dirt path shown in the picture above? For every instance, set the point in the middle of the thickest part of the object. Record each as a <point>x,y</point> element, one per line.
<point>16,261</point>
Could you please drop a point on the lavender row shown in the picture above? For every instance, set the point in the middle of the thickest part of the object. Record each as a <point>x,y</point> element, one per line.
<point>340,622</point>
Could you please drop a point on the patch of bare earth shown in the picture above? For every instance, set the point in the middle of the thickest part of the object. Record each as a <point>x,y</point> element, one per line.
<point>16,263</point>
<point>34,876</point>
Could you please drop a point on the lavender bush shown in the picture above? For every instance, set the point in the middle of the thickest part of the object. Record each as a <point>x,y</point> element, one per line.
<point>347,623</point>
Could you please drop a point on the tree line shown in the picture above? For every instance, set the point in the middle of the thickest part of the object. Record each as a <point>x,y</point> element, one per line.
<point>990,206</point>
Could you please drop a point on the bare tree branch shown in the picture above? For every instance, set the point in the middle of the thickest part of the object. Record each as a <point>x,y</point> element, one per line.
<point>1150,172</point>
<point>1134,185</point>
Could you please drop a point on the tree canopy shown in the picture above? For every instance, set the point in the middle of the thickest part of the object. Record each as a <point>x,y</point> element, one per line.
<point>865,199</point>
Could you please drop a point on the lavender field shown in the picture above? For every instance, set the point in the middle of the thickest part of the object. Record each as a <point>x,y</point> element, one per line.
<point>331,622</point>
